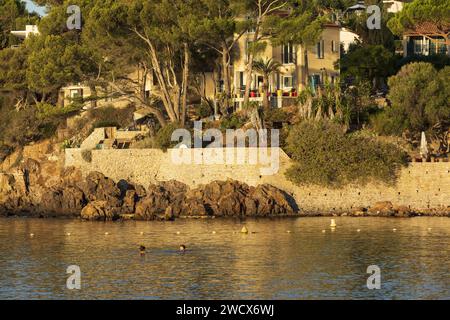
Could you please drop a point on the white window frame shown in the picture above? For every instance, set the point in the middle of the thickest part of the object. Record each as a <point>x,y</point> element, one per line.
<point>291,53</point>
<point>76,93</point>
<point>333,46</point>
<point>320,48</point>
<point>292,82</point>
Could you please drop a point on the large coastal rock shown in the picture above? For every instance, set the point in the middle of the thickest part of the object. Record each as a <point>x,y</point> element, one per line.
<point>65,201</point>
<point>232,198</point>
<point>162,201</point>
<point>387,209</point>
<point>100,210</point>
<point>97,187</point>
<point>382,208</point>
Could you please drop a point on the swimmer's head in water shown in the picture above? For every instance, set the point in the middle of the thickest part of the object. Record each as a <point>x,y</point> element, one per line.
<point>182,247</point>
<point>142,249</point>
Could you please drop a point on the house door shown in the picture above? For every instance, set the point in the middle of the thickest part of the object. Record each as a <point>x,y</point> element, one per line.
<point>314,81</point>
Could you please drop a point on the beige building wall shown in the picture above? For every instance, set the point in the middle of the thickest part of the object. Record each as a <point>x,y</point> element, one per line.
<point>323,66</point>
<point>347,38</point>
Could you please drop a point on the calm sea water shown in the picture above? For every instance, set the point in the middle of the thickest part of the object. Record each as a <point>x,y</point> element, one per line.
<point>267,264</point>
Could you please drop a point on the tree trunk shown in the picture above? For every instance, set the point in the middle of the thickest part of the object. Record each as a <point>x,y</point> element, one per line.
<point>226,75</point>
<point>157,113</point>
<point>306,68</point>
<point>249,69</point>
<point>33,96</point>
<point>249,80</point>
<point>161,119</point>
<point>93,97</point>
<point>144,82</point>
<point>185,84</point>
<point>166,96</point>
<point>265,92</point>
<point>60,101</point>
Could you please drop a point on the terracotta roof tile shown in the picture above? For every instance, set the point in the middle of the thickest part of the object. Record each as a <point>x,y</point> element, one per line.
<point>429,28</point>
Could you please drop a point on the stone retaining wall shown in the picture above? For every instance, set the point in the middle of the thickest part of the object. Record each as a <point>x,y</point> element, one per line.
<point>420,186</point>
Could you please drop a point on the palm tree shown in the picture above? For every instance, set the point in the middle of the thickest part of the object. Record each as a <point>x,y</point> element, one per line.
<point>328,102</point>
<point>266,68</point>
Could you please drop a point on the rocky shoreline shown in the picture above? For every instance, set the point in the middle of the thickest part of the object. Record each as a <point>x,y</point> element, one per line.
<point>31,192</point>
<point>99,198</point>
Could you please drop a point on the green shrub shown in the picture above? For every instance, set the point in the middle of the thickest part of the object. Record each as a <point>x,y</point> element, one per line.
<point>47,129</point>
<point>112,117</point>
<point>19,128</point>
<point>106,124</point>
<point>163,138</point>
<point>439,61</point>
<point>277,115</point>
<point>325,155</point>
<point>387,122</point>
<point>420,98</point>
<point>34,123</point>
<point>234,121</point>
<point>46,110</point>
<point>367,63</point>
<point>203,110</point>
<point>284,134</point>
<point>70,144</point>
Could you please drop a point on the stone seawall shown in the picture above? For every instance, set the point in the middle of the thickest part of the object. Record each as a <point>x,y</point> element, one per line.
<point>421,186</point>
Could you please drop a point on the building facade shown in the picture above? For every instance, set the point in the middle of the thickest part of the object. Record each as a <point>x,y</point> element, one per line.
<point>301,67</point>
<point>427,39</point>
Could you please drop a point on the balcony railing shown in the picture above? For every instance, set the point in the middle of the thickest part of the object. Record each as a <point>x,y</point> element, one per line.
<point>275,100</point>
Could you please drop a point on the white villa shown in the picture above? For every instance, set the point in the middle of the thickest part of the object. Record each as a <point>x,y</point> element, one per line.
<point>23,34</point>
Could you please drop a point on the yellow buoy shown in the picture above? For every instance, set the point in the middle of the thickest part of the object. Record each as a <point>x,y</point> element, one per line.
<point>68,234</point>
<point>289,231</point>
<point>359,230</point>
<point>178,232</point>
<point>323,231</point>
<point>106,233</point>
<point>244,229</point>
<point>333,223</point>
<point>31,234</point>
<point>429,229</point>
<point>141,233</point>
<point>213,232</point>
<point>394,229</point>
